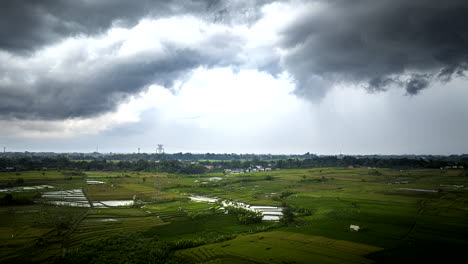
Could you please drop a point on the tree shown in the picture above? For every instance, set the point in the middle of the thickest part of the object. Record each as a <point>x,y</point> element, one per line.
<point>288,215</point>
<point>19,181</point>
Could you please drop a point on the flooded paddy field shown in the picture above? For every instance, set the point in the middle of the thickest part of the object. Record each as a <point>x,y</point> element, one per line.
<point>74,198</point>
<point>107,204</point>
<point>306,211</point>
<point>269,213</point>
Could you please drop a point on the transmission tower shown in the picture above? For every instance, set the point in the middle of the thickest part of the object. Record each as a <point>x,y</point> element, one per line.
<point>160,149</point>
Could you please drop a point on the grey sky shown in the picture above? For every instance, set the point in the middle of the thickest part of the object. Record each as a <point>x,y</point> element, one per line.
<point>292,76</point>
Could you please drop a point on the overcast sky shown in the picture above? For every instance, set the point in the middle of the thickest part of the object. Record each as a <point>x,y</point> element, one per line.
<point>242,76</point>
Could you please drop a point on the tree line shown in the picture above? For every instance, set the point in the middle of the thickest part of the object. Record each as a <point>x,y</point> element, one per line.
<point>199,167</point>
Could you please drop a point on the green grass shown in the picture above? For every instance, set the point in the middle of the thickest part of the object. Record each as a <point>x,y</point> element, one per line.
<point>279,247</point>
<point>393,219</point>
<point>31,230</point>
<point>105,192</point>
<point>210,228</point>
<point>101,222</point>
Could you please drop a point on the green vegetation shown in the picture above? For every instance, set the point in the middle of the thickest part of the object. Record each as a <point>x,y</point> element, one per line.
<point>245,216</point>
<point>121,248</point>
<point>187,163</point>
<point>403,215</point>
<point>279,247</point>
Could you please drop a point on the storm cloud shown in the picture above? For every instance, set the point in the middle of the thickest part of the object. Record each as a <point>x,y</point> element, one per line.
<point>28,25</point>
<point>68,59</point>
<point>376,44</point>
<point>83,81</point>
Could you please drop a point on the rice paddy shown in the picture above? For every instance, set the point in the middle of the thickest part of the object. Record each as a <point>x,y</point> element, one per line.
<point>395,211</point>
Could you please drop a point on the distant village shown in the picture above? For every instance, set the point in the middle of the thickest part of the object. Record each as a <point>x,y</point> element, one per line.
<point>248,170</point>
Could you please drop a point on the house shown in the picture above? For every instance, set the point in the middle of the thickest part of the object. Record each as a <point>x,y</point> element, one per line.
<point>354,228</point>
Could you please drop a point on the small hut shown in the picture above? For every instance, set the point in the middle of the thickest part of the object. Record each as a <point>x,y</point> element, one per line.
<point>354,228</point>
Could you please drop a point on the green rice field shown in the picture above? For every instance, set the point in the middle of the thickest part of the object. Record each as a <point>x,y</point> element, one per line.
<point>403,215</point>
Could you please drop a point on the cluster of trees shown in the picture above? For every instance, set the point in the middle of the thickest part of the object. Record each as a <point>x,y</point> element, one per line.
<point>155,156</point>
<point>199,167</point>
<point>17,199</point>
<point>381,162</point>
<point>63,163</point>
<point>121,248</point>
<point>245,216</point>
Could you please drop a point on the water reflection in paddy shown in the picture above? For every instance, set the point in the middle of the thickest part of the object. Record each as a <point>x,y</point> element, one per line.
<point>73,197</point>
<point>270,213</point>
<point>106,204</point>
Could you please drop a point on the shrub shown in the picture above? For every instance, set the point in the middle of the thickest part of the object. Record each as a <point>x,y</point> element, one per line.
<point>245,216</point>
<point>186,243</point>
<point>19,181</point>
<point>199,214</point>
<point>286,194</point>
<point>7,199</point>
<point>249,217</point>
<point>268,178</point>
<point>303,211</point>
<point>288,216</point>
<point>122,248</point>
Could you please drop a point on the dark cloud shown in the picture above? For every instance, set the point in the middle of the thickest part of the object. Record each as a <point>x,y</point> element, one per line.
<point>377,43</point>
<point>27,25</point>
<point>99,86</point>
<point>416,84</point>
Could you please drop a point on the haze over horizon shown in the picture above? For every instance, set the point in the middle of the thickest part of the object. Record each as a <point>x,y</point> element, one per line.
<point>264,76</point>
